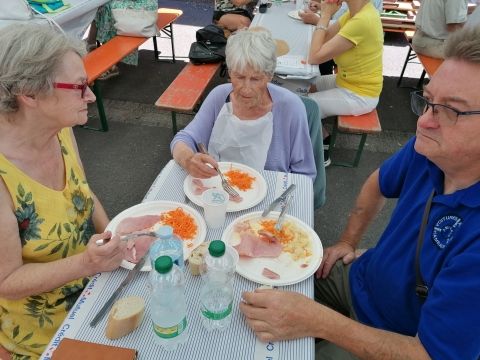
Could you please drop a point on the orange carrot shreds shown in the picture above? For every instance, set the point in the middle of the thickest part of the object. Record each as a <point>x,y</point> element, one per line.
<point>240,179</point>
<point>183,224</point>
<point>284,236</point>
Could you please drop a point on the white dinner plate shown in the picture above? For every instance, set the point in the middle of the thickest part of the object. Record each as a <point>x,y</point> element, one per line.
<point>291,271</point>
<point>250,197</point>
<point>294,15</point>
<point>156,208</point>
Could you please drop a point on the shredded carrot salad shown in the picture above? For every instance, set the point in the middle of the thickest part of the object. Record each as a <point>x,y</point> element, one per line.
<point>284,236</point>
<point>183,224</point>
<point>240,179</point>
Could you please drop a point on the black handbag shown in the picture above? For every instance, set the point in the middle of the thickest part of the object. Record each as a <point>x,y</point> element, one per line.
<point>211,34</point>
<point>203,53</point>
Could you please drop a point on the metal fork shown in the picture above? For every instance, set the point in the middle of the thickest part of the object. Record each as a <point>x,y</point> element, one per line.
<point>278,225</point>
<point>226,186</point>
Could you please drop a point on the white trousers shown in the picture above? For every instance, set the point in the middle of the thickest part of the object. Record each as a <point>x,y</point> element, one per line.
<point>333,100</point>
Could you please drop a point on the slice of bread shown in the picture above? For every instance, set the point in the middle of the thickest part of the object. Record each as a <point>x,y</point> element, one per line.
<point>196,258</point>
<point>124,317</point>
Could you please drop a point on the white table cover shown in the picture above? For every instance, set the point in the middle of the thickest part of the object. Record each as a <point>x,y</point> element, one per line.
<point>238,342</point>
<point>297,35</point>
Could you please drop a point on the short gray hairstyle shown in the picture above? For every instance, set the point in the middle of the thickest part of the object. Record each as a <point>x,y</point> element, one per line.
<point>251,48</point>
<point>30,57</point>
<point>464,44</point>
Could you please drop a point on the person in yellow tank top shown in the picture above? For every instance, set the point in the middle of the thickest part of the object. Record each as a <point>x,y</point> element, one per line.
<point>355,42</point>
<point>49,217</point>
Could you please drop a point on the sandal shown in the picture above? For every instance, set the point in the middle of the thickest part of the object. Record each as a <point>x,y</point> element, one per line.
<point>112,72</point>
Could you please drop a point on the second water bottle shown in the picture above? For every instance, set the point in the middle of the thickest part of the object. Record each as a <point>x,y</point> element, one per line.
<point>216,294</point>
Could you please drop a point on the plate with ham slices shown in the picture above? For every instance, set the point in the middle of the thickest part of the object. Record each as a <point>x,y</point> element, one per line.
<point>187,224</point>
<point>248,182</point>
<point>272,257</point>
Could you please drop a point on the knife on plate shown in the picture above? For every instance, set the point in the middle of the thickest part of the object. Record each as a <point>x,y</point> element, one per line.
<point>277,201</point>
<point>136,269</point>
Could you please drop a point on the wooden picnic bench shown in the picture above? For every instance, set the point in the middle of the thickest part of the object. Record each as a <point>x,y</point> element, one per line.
<point>430,64</point>
<point>361,125</point>
<point>186,91</point>
<point>113,51</point>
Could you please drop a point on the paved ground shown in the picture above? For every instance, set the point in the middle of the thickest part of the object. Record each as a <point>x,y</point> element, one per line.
<point>122,163</point>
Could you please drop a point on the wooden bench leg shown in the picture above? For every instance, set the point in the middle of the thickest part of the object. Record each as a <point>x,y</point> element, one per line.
<point>358,154</point>
<point>101,110</point>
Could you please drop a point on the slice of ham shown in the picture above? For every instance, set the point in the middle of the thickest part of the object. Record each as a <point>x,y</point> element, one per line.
<point>252,245</point>
<point>136,223</point>
<point>198,188</point>
<point>270,274</point>
<point>137,248</point>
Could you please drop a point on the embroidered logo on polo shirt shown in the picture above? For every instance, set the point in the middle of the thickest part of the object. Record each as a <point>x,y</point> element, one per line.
<point>445,229</point>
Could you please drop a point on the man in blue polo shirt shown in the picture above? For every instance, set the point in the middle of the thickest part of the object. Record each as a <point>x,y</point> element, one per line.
<point>372,307</point>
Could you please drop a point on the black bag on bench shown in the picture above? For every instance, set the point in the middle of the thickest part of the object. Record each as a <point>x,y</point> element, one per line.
<point>209,47</point>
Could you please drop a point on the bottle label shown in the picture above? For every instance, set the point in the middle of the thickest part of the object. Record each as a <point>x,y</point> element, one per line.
<point>172,331</point>
<point>217,315</point>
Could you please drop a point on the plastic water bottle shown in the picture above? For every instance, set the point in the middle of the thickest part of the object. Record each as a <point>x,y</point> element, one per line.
<point>216,294</point>
<point>167,304</point>
<point>167,244</point>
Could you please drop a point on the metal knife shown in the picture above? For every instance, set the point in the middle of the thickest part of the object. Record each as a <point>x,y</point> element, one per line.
<point>136,269</point>
<point>278,200</point>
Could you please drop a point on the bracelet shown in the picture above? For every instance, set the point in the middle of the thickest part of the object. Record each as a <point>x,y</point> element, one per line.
<point>321,27</point>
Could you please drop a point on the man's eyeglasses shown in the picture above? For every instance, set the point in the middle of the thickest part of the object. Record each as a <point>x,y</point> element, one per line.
<point>82,87</point>
<point>443,113</point>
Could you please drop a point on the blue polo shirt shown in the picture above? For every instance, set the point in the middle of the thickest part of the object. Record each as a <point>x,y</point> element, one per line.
<point>382,280</point>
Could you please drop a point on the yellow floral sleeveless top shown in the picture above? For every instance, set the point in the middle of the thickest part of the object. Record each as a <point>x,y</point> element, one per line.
<point>52,225</point>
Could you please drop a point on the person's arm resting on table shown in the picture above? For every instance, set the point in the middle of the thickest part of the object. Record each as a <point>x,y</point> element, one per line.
<point>274,315</point>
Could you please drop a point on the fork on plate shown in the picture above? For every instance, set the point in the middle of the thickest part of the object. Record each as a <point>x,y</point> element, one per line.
<point>226,186</point>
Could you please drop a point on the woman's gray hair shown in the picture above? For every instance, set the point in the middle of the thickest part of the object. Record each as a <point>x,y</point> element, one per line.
<point>464,44</point>
<point>253,48</point>
<point>30,57</point>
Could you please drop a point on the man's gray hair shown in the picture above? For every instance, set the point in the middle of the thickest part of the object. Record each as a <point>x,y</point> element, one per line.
<point>251,48</point>
<point>464,44</point>
<point>30,57</point>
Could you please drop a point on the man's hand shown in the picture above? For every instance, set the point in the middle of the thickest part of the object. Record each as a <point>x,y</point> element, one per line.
<point>341,250</point>
<point>279,315</point>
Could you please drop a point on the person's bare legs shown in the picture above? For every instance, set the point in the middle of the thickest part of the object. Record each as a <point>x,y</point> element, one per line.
<point>233,22</point>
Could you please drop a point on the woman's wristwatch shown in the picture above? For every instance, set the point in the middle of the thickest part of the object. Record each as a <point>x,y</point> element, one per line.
<point>320,27</point>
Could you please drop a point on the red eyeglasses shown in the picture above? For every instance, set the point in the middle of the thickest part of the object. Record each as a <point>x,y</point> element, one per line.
<point>82,87</point>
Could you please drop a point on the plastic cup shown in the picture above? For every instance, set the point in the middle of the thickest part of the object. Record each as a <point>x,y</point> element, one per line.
<point>215,203</point>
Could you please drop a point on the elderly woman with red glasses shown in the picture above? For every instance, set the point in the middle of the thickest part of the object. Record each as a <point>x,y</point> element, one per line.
<point>49,217</point>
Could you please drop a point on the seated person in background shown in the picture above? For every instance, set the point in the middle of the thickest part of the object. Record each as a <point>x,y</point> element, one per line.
<point>48,214</point>
<point>233,14</point>
<point>435,20</point>
<point>312,15</point>
<point>372,307</point>
<point>249,120</point>
<point>355,42</point>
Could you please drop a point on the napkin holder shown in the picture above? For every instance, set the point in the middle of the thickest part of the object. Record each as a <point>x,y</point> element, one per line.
<point>72,349</point>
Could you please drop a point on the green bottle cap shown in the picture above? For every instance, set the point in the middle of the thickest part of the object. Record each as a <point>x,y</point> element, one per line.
<point>216,248</point>
<point>163,264</point>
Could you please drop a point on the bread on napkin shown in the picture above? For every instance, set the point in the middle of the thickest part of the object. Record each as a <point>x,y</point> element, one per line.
<point>124,317</point>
